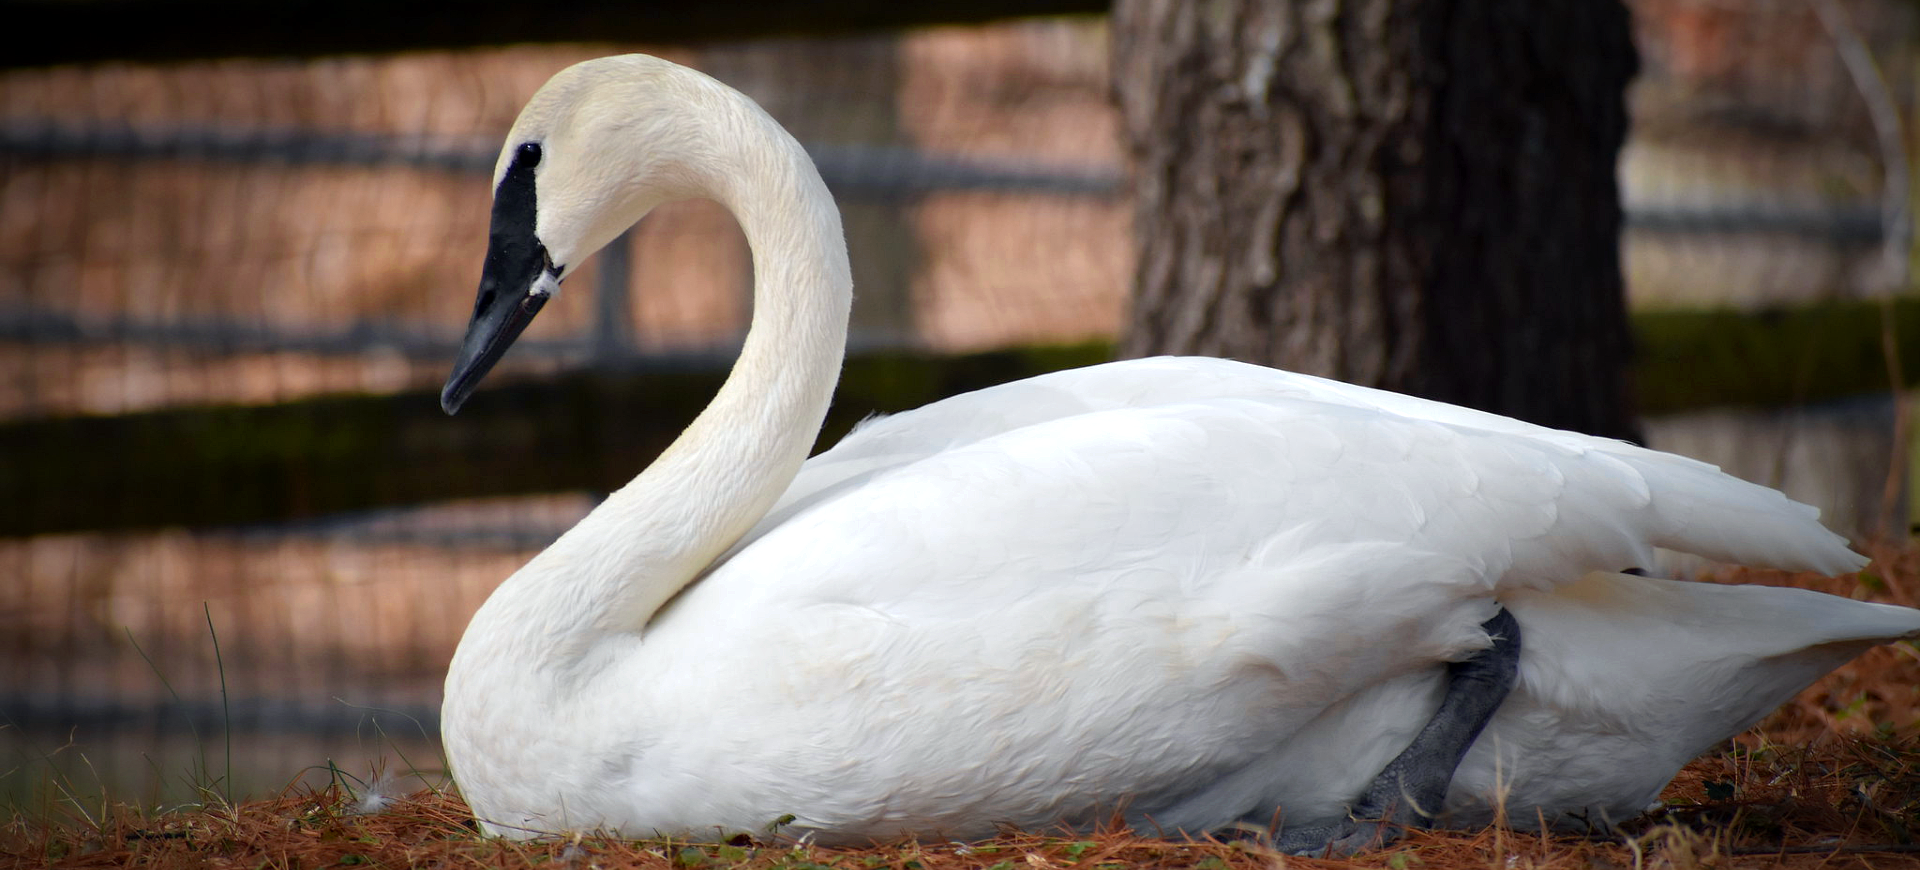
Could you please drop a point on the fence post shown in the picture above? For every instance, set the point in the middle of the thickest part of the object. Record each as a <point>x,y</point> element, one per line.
<point>612,308</point>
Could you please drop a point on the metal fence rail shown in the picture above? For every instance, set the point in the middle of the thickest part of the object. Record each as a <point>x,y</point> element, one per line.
<point>872,171</point>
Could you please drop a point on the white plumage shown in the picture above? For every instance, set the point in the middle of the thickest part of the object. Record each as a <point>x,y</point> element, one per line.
<point>1189,590</point>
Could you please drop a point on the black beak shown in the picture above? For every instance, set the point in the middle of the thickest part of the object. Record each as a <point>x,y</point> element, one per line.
<point>511,293</point>
<point>517,279</point>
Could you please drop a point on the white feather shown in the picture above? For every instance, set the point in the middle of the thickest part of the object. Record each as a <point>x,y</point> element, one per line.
<point>1188,590</point>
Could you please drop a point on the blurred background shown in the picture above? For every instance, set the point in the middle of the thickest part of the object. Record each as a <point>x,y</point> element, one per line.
<point>238,540</point>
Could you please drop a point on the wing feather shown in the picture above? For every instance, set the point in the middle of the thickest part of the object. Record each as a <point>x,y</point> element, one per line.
<point>1580,500</point>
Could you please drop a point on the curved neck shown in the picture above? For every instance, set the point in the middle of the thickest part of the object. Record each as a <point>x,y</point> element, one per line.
<point>609,574</point>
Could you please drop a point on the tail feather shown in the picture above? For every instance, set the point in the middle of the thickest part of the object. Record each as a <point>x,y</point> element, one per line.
<point>1623,679</point>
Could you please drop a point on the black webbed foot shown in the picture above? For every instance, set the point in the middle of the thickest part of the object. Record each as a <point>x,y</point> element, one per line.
<point>1341,840</point>
<point>1409,792</point>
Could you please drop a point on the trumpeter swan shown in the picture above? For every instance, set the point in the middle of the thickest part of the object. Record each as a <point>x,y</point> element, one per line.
<point>1192,592</point>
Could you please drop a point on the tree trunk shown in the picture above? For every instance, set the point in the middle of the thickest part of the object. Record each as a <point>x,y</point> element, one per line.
<point>1411,194</point>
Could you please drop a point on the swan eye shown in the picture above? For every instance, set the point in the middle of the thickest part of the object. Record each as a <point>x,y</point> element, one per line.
<point>529,155</point>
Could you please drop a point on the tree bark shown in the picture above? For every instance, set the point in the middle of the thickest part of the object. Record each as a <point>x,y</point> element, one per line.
<point>1412,194</point>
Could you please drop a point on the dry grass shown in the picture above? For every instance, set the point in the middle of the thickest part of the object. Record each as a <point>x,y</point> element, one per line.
<point>1832,780</point>
<point>1847,803</point>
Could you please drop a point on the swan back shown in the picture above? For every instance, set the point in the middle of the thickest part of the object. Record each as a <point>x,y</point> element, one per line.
<point>1593,503</point>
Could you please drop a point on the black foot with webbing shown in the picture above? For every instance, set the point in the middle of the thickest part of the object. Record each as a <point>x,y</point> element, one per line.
<point>1409,792</point>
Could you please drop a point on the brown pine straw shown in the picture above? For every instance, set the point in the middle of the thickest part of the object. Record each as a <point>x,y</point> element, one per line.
<point>1832,780</point>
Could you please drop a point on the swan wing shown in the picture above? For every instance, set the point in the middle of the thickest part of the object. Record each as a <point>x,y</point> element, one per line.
<point>1150,594</point>
<point>1685,504</point>
<point>1127,602</point>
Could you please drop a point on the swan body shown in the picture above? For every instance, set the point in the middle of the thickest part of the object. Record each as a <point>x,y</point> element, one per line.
<point>1190,592</point>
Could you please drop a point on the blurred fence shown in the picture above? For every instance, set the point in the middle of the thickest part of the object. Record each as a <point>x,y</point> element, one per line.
<point>256,235</point>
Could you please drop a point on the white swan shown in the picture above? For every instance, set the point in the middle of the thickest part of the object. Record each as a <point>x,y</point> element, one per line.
<point>1191,591</point>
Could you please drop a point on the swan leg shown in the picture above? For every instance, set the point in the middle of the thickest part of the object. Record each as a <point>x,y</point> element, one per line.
<point>1411,788</point>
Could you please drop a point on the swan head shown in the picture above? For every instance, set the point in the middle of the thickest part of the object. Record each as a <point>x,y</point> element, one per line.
<point>596,148</point>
